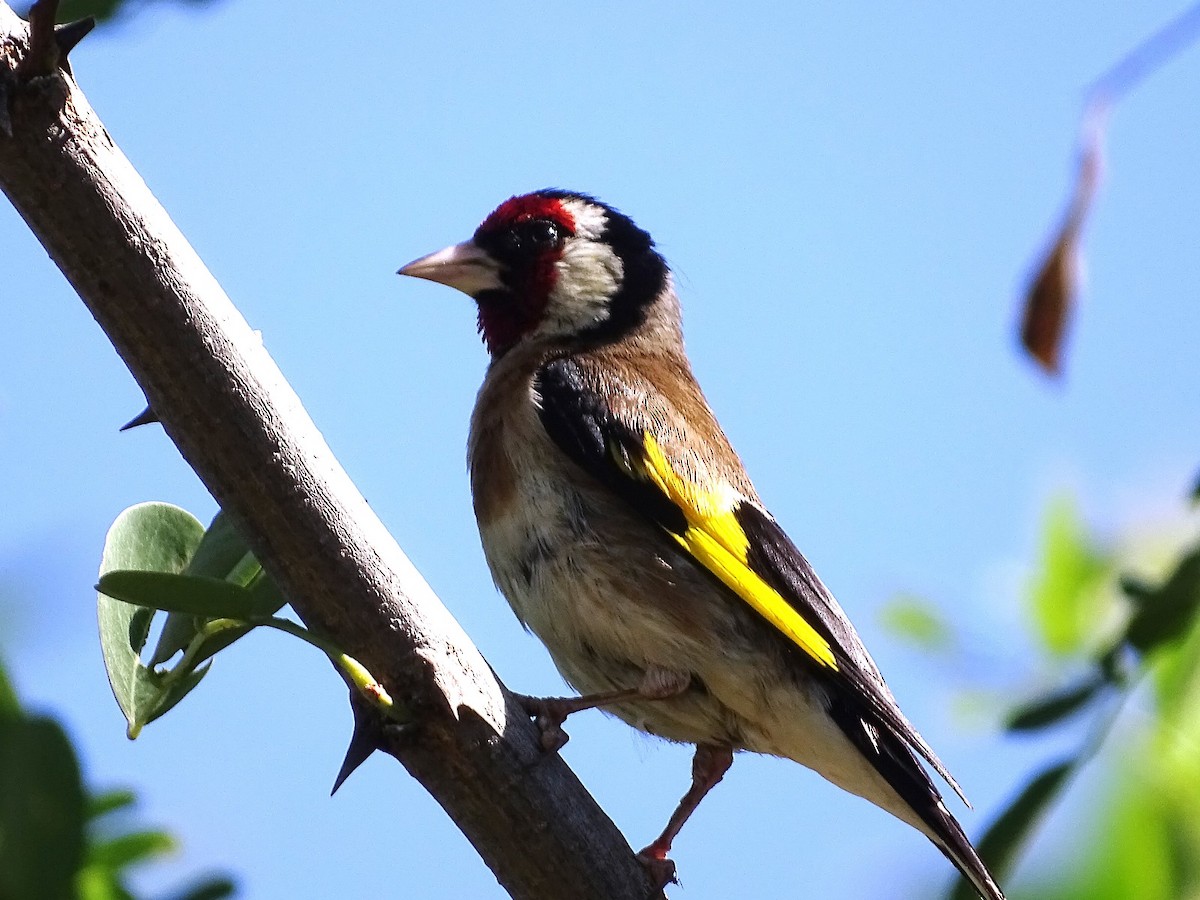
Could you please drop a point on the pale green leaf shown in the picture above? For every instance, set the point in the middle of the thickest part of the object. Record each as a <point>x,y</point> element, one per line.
<point>918,622</point>
<point>155,537</point>
<point>215,643</point>
<point>221,550</point>
<point>127,849</point>
<point>1067,594</point>
<point>222,554</point>
<point>174,691</point>
<point>211,598</point>
<point>268,599</point>
<point>100,805</point>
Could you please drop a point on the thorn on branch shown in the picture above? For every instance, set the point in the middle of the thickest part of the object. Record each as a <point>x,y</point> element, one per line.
<point>371,733</point>
<point>145,417</point>
<point>68,36</point>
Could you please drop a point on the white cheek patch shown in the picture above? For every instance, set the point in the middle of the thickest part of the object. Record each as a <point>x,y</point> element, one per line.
<point>590,219</point>
<point>589,273</point>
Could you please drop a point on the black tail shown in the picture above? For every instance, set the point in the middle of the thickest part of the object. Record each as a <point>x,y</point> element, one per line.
<point>892,758</point>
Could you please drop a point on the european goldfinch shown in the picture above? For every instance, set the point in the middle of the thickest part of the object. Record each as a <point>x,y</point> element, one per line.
<point>622,528</point>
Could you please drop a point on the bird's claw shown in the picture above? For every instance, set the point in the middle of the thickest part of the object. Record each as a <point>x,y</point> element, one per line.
<point>660,868</point>
<point>553,738</point>
<point>548,714</point>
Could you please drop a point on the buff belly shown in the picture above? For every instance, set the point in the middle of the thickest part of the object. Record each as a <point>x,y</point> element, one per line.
<point>611,606</point>
<point>603,625</point>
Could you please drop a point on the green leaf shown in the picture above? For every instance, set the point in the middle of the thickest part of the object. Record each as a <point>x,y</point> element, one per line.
<point>1067,594</point>
<point>177,633</point>
<point>210,598</point>
<point>214,888</point>
<point>268,599</point>
<point>222,554</point>
<point>100,805</point>
<point>198,598</point>
<point>99,883</point>
<point>108,11</point>
<point>1165,614</point>
<point>1136,588</point>
<point>1115,665</point>
<point>174,691</point>
<point>127,849</point>
<point>1000,845</point>
<point>41,811</point>
<point>1053,708</point>
<point>917,621</point>
<point>192,599</point>
<point>221,551</point>
<point>10,706</point>
<point>101,9</point>
<point>154,537</point>
<point>1175,677</point>
<point>219,641</point>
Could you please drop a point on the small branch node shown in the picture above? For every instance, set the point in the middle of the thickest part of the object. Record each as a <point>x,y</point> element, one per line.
<point>43,57</point>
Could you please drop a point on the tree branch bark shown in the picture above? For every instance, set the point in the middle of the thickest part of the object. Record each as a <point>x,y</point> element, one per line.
<point>237,422</point>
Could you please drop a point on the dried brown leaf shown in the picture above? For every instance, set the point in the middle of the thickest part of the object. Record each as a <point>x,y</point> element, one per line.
<point>1050,299</point>
<point>1052,294</point>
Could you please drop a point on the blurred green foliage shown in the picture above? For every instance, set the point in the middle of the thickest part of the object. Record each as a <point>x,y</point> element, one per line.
<point>106,10</point>
<point>1071,592</point>
<point>918,622</point>
<point>58,839</point>
<point>1130,648</point>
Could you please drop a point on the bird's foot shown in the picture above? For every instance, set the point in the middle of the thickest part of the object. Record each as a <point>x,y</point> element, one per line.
<point>548,714</point>
<point>661,869</point>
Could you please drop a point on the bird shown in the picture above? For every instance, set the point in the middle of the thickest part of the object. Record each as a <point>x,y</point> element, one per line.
<point>624,531</point>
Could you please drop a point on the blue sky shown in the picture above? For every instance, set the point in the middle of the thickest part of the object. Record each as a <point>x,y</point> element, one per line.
<point>851,199</point>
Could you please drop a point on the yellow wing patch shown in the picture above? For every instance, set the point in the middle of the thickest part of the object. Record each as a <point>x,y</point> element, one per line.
<point>715,539</point>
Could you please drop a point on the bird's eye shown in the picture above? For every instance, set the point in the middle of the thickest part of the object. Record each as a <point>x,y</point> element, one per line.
<point>543,233</point>
<point>531,238</point>
<point>523,240</point>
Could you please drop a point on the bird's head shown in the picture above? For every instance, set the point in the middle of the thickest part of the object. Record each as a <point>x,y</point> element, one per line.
<point>552,265</point>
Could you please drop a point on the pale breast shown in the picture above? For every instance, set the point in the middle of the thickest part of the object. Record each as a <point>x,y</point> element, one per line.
<point>532,517</point>
<point>578,570</point>
<point>598,584</point>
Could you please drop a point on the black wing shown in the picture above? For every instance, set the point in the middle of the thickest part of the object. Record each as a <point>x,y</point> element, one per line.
<point>635,453</point>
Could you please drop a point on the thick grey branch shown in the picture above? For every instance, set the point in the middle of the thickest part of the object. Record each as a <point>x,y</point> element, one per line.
<point>226,406</point>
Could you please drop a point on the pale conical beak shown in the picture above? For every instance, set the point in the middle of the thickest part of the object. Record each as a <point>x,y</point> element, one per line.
<point>464,266</point>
